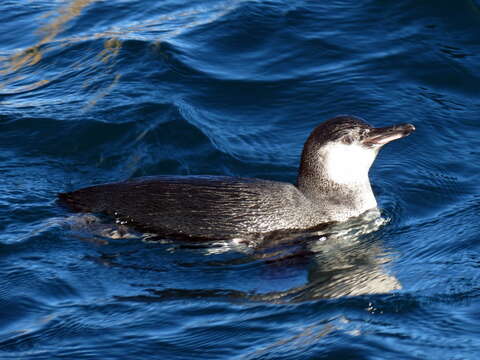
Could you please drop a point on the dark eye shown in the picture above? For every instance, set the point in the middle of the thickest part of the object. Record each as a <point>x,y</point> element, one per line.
<point>347,139</point>
<point>363,135</point>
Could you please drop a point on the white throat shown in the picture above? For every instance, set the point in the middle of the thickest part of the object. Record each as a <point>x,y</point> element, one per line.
<point>347,163</point>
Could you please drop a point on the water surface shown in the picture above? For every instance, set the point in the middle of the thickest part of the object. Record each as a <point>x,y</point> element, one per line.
<point>95,91</point>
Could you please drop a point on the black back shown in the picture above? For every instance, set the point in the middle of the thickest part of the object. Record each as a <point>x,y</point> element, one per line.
<point>197,206</point>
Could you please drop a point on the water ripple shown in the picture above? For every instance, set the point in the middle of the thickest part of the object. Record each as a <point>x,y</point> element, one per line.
<point>94,91</point>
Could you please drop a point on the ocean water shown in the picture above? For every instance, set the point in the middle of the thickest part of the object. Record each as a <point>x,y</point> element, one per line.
<point>97,91</point>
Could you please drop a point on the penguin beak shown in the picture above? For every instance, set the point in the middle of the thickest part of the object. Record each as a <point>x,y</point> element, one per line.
<point>382,136</point>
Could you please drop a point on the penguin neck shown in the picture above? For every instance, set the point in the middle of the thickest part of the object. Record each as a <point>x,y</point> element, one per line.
<point>339,184</point>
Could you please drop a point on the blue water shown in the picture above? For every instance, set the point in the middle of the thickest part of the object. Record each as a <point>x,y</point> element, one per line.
<point>99,91</point>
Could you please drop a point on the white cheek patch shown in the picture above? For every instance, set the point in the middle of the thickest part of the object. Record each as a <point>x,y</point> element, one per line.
<point>347,164</point>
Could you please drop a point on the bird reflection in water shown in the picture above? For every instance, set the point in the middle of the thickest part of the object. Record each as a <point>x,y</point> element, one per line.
<point>345,259</point>
<point>340,260</point>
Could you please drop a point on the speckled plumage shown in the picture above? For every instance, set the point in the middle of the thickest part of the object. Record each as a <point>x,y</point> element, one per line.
<point>199,206</point>
<point>213,207</point>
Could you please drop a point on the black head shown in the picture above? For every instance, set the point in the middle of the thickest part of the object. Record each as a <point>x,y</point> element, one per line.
<point>343,148</point>
<point>348,129</point>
